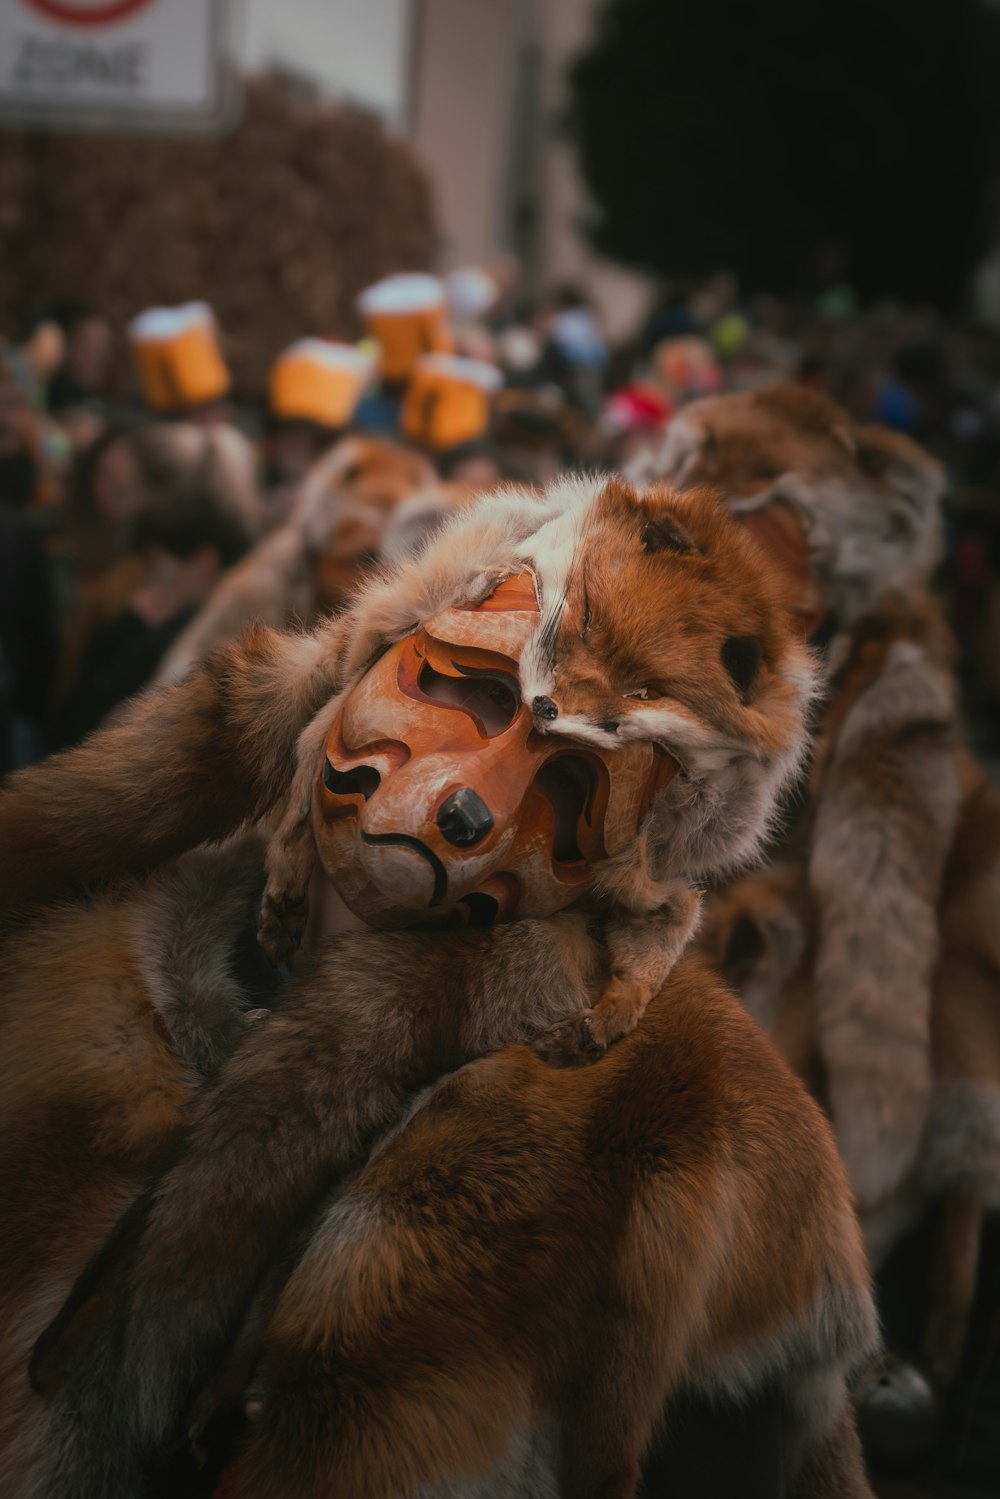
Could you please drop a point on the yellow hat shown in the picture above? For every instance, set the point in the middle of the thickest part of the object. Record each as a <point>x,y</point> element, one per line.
<point>316,380</point>
<point>406,314</point>
<point>448,400</point>
<point>177,351</point>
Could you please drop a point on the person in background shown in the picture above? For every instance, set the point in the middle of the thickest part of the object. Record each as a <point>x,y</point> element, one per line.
<point>135,466</point>
<point>182,544</point>
<point>575,353</point>
<point>89,345</point>
<point>20,443</point>
<point>28,640</point>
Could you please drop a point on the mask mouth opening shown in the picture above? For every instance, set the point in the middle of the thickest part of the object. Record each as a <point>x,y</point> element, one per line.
<point>568,783</point>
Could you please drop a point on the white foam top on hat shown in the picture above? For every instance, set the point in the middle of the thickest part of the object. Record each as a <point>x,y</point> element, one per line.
<point>471,292</point>
<point>333,355</point>
<point>410,291</point>
<point>157,324</point>
<point>468,371</point>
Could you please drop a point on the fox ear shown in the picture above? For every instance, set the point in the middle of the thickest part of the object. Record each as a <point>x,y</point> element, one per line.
<point>917,478</point>
<point>659,528</point>
<point>664,533</point>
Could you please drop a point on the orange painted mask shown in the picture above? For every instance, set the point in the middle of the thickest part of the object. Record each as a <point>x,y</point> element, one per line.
<point>438,797</point>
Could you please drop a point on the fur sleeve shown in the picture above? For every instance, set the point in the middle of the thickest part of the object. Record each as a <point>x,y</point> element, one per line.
<point>183,765</point>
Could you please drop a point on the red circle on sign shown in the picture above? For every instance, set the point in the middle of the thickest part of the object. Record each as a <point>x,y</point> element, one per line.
<point>93,15</point>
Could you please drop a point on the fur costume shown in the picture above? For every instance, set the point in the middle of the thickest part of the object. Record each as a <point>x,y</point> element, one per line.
<point>303,568</point>
<point>762,934</point>
<point>515,1271</point>
<point>873,956</point>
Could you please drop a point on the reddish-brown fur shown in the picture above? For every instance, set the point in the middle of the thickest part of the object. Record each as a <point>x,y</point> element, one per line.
<point>90,1088</point>
<point>663,582</point>
<point>670,607</point>
<point>584,1243</point>
<point>677,1212</point>
<point>886,999</point>
<point>309,565</point>
<point>762,935</point>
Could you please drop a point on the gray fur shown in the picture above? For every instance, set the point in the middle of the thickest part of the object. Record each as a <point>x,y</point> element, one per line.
<point>184,924</point>
<point>876,868</point>
<point>243,1177</point>
<point>962,1143</point>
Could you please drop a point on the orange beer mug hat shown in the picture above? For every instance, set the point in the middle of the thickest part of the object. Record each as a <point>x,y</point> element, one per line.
<point>178,356</point>
<point>317,380</point>
<point>449,400</point>
<point>406,315</point>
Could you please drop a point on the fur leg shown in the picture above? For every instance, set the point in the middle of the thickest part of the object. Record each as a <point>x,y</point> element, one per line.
<point>884,826</point>
<point>606,1419</point>
<point>643,949</point>
<point>300,1102</point>
<point>284,912</point>
<point>291,854</point>
<point>494,1265</point>
<point>833,1467</point>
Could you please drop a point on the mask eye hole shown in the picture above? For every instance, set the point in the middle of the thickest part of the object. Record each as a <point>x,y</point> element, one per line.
<point>569,784</point>
<point>489,697</point>
<point>362,780</point>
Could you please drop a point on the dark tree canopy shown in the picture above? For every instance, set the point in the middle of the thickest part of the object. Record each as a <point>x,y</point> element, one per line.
<point>751,133</point>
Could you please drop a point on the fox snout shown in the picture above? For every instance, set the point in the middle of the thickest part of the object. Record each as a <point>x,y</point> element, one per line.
<point>545,712</point>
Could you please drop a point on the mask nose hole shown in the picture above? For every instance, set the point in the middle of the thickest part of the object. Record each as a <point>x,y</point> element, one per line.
<point>544,707</point>
<point>464,818</point>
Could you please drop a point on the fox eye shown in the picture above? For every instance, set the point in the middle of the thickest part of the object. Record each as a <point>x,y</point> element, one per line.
<point>741,656</point>
<point>647,694</point>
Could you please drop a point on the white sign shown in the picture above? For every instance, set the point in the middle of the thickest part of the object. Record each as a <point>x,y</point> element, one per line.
<point>113,64</point>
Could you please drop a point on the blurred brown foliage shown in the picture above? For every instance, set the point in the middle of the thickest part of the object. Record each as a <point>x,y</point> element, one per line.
<point>277,225</point>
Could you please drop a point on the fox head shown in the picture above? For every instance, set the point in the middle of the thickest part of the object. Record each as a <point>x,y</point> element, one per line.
<point>672,626</point>
<point>670,619</point>
<point>867,498</point>
<point>659,619</point>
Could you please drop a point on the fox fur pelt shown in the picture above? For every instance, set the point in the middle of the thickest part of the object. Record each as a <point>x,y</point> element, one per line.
<point>524,1264</point>
<point>886,788</point>
<point>281,582</point>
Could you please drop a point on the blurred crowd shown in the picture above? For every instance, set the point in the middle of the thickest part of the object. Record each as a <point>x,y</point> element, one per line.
<point>144,518</point>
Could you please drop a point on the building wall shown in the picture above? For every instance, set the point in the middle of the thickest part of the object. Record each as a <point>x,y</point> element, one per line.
<point>621,295</point>
<point>460,116</point>
<point>350,49</point>
<point>479,86</point>
<point>490,81</point>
